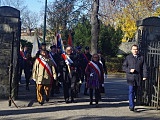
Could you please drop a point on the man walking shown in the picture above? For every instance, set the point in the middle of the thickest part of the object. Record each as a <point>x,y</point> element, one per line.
<point>69,74</point>
<point>136,70</point>
<point>44,74</point>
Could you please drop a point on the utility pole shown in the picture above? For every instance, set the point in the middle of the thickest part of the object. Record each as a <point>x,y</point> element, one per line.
<point>44,29</point>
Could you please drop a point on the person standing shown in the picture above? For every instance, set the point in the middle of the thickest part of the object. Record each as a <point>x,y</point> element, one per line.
<point>103,62</point>
<point>27,64</point>
<point>95,78</point>
<point>136,70</point>
<point>55,59</point>
<point>44,74</point>
<point>69,74</point>
<point>28,69</point>
<point>80,68</point>
<point>23,62</point>
<point>87,58</point>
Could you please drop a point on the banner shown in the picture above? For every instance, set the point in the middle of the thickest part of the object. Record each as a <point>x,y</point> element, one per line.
<point>35,47</point>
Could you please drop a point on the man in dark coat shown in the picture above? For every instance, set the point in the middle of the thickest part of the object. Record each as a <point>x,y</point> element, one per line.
<point>69,74</point>
<point>80,67</point>
<point>136,70</point>
<point>87,58</point>
<point>55,57</point>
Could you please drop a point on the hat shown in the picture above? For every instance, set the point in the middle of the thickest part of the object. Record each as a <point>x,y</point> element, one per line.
<point>99,52</point>
<point>86,48</point>
<point>43,43</point>
<point>53,46</point>
<point>78,47</point>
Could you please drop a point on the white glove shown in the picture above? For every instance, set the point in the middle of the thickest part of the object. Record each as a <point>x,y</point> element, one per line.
<point>59,74</point>
<point>67,62</point>
<point>91,75</point>
<point>102,85</point>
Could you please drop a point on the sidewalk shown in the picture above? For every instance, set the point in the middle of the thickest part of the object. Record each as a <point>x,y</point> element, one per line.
<point>114,105</point>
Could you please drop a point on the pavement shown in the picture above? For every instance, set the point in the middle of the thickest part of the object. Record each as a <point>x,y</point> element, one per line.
<point>113,106</point>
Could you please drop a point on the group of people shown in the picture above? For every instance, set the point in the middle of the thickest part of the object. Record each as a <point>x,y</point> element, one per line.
<point>71,68</point>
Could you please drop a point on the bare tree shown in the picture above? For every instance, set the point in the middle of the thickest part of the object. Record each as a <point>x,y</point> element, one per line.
<point>95,26</point>
<point>29,20</point>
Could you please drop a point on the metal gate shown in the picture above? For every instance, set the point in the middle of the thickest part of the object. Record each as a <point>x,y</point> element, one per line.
<point>149,45</point>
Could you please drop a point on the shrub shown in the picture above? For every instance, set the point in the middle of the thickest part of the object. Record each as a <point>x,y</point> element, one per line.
<point>114,64</point>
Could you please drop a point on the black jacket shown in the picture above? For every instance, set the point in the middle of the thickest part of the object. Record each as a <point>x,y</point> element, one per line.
<point>140,69</point>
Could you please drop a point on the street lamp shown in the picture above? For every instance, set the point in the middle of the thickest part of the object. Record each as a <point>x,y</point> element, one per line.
<point>44,29</point>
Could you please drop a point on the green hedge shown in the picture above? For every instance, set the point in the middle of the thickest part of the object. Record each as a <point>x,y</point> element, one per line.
<point>114,64</point>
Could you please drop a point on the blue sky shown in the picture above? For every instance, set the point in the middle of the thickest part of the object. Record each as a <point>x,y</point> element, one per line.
<point>35,5</point>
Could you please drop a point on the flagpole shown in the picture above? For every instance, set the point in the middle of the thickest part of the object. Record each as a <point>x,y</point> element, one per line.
<point>44,29</point>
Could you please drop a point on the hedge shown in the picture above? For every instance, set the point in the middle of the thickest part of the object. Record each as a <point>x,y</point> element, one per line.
<point>114,64</point>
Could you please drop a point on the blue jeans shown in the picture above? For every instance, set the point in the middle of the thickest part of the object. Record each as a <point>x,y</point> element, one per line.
<point>132,95</point>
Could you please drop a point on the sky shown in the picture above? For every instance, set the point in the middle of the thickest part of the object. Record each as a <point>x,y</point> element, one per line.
<point>35,5</point>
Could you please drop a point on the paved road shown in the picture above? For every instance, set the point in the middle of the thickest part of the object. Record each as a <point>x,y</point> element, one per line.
<point>114,105</point>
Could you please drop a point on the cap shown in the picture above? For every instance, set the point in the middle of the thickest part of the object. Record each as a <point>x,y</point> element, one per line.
<point>86,48</point>
<point>78,47</point>
<point>99,51</point>
<point>53,46</point>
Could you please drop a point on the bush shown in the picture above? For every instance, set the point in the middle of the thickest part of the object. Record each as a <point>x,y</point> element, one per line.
<point>114,64</point>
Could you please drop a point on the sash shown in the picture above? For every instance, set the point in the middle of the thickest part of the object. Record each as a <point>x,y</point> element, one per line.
<point>85,57</point>
<point>66,58</point>
<point>52,60</point>
<point>22,54</point>
<point>67,61</point>
<point>96,68</point>
<point>46,67</point>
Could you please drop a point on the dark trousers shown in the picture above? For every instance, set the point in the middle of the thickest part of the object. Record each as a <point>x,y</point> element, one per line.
<point>69,87</point>
<point>132,95</point>
<point>97,94</point>
<point>85,88</point>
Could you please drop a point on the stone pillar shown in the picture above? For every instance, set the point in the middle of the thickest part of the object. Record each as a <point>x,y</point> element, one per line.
<point>9,31</point>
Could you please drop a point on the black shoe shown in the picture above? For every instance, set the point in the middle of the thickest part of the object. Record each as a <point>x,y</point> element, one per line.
<point>86,93</point>
<point>97,105</point>
<point>67,101</point>
<point>41,103</point>
<point>91,103</point>
<point>47,99</point>
<point>131,108</point>
<point>73,101</point>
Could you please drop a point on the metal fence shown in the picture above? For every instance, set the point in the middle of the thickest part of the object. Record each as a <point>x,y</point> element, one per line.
<point>149,44</point>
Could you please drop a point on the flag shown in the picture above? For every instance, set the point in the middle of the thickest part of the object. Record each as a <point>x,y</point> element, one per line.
<point>60,42</point>
<point>70,40</point>
<point>35,47</point>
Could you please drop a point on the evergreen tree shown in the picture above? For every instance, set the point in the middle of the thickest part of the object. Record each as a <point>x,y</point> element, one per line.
<point>82,34</point>
<point>109,40</point>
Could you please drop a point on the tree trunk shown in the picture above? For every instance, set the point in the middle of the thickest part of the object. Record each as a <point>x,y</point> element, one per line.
<point>95,26</point>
